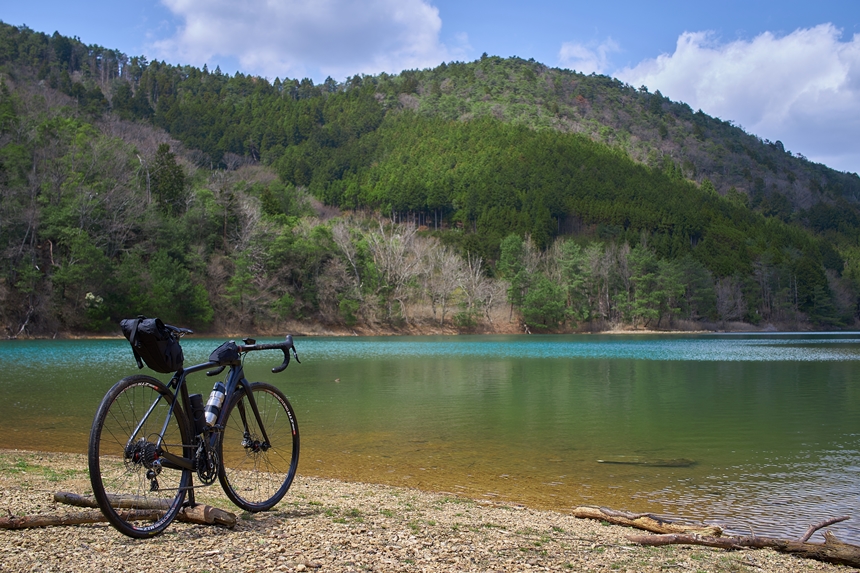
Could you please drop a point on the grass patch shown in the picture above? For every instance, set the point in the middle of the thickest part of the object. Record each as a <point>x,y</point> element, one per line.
<point>20,466</point>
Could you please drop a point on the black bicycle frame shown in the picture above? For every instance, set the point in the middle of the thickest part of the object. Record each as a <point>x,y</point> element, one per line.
<point>235,379</point>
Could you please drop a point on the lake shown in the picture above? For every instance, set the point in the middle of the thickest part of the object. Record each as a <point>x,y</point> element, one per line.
<point>754,432</point>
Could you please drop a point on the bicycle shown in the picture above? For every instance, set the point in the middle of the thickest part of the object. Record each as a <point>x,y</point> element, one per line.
<point>149,438</point>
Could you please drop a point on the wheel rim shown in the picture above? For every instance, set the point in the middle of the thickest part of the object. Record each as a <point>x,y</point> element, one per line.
<point>256,474</point>
<point>128,476</point>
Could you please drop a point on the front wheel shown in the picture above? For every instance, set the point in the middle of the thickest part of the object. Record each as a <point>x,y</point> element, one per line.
<point>256,472</point>
<point>131,431</point>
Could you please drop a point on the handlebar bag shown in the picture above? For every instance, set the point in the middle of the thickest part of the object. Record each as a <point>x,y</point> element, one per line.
<point>227,353</point>
<point>154,343</point>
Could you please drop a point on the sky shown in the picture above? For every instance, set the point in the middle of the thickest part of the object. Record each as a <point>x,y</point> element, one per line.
<point>783,70</point>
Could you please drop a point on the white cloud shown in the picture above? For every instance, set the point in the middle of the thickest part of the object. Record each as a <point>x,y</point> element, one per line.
<point>802,88</point>
<point>587,59</point>
<point>295,38</point>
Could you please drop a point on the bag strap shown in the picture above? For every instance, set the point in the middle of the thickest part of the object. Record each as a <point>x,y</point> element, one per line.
<point>133,340</point>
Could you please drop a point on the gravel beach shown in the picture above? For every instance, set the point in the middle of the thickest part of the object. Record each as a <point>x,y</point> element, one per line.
<point>331,526</point>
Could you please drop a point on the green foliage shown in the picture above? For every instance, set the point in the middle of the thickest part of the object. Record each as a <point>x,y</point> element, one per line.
<point>167,181</point>
<point>593,201</point>
<point>543,306</point>
<point>162,286</point>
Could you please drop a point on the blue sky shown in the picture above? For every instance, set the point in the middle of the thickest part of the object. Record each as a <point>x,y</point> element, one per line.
<point>784,70</point>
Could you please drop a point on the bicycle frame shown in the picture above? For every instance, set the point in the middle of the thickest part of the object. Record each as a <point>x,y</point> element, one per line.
<point>235,380</point>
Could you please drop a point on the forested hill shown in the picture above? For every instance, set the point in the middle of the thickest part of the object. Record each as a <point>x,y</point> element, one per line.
<point>132,186</point>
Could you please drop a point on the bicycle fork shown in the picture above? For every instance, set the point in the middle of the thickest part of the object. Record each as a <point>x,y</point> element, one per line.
<point>249,442</point>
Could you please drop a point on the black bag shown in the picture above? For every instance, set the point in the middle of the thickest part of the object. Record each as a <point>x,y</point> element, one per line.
<point>227,353</point>
<point>153,342</point>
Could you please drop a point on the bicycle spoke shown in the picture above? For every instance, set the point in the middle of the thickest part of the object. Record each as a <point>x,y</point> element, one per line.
<point>124,457</point>
<point>256,474</point>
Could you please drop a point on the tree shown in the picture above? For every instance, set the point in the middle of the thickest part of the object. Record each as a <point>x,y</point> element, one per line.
<point>479,291</point>
<point>730,299</point>
<point>575,278</point>
<point>167,180</point>
<point>397,254</point>
<point>544,304</point>
<point>443,274</point>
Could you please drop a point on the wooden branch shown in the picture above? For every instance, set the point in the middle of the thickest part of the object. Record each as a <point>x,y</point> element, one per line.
<point>816,526</point>
<point>831,551</point>
<point>140,509</point>
<point>645,521</point>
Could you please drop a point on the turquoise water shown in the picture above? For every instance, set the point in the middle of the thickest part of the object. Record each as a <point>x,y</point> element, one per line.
<point>758,432</point>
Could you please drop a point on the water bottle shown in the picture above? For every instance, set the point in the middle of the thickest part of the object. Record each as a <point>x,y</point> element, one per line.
<point>198,412</point>
<point>213,406</point>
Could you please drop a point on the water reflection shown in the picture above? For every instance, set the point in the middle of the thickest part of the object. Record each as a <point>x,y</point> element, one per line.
<point>770,422</point>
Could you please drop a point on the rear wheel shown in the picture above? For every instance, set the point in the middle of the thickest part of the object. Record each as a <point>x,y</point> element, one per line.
<point>256,473</point>
<point>136,493</point>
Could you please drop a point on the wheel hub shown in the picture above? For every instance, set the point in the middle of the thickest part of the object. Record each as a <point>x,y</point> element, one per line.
<point>142,453</point>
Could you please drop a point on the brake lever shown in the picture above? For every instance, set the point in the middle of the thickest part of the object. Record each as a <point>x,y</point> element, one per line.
<point>286,350</point>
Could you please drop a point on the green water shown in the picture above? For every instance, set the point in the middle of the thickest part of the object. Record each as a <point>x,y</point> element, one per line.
<point>745,431</point>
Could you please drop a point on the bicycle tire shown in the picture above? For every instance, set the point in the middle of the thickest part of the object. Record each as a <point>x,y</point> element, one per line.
<point>137,496</point>
<point>256,477</point>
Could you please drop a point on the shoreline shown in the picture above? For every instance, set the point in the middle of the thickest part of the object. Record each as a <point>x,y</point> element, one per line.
<point>311,331</point>
<point>329,525</point>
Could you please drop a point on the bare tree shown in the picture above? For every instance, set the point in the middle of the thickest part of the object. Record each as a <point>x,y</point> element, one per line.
<point>342,238</point>
<point>552,262</point>
<point>397,255</point>
<point>600,264</point>
<point>334,280</point>
<point>730,299</point>
<point>480,291</point>
<point>443,274</point>
<point>232,161</point>
<point>249,213</point>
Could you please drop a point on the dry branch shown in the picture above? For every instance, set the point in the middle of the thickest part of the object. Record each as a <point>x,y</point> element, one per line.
<point>816,526</point>
<point>831,551</point>
<point>645,521</point>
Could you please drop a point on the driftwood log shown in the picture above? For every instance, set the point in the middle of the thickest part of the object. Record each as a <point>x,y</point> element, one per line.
<point>200,514</point>
<point>645,521</point>
<point>831,551</point>
<point>29,521</point>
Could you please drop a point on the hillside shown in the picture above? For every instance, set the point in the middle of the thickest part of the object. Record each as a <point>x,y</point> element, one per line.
<point>132,186</point>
